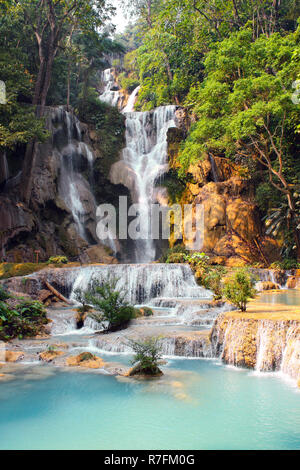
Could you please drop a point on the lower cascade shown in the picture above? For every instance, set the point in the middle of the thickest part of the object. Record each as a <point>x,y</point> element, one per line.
<point>263,345</point>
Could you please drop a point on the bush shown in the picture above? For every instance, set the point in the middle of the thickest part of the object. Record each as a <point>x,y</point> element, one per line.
<point>176,258</point>
<point>19,269</point>
<point>197,260</point>
<point>81,298</point>
<point>57,260</point>
<point>147,356</point>
<point>176,249</point>
<point>4,295</point>
<point>239,288</point>
<point>114,313</point>
<point>25,319</point>
<point>212,279</point>
<point>287,263</point>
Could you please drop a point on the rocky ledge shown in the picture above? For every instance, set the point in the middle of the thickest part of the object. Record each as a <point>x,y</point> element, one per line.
<point>265,338</point>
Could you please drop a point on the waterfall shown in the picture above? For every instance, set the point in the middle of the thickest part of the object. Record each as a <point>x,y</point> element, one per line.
<point>70,149</point>
<point>214,169</point>
<point>109,95</point>
<point>144,160</point>
<point>143,282</point>
<point>129,108</point>
<point>260,344</point>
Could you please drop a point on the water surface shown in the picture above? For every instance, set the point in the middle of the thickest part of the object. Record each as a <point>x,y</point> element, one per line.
<point>198,404</point>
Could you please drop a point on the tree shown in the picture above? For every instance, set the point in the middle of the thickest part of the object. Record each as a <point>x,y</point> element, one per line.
<point>239,288</point>
<point>147,356</point>
<point>114,313</point>
<point>51,22</point>
<point>245,111</point>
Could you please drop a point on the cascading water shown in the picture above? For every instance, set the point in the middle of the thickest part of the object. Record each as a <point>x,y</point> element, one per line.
<point>109,95</point>
<point>146,155</point>
<point>69,146</point>
<point>144,159</point>
<point>142,282</point>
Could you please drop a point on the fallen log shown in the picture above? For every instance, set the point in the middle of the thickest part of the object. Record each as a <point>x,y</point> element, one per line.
<point>58,294</point>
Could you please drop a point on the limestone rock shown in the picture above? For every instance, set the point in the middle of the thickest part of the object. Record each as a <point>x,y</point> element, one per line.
<point>49,356</point>
<point>13,356</point>
<point>85,359</point>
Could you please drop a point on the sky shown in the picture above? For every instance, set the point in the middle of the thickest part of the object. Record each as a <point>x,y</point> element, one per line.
<point>119,20</point>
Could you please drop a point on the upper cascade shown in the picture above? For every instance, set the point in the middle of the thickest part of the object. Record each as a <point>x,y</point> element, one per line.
<point>144,159</point>
<point>143,282</point>
<point>110,94</point>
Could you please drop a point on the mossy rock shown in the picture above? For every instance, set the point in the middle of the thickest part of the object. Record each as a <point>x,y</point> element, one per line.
<point>19,269</point>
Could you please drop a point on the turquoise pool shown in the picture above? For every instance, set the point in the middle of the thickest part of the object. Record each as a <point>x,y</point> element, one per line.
<point>198,404</point>
<point>287,297</point>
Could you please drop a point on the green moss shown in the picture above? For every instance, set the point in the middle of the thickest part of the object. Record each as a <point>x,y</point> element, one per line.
<point>109,125</point>
<point>19,269</point>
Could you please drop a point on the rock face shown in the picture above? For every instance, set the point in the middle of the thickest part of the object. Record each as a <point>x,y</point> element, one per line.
<point>232,223</point>
<point>61,216</point>
<point>265,344</point>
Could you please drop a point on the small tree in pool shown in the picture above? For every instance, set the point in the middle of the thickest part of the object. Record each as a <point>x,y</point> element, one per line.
<point>147,356</point>
<point>239,289</point>
<point>113,312</point>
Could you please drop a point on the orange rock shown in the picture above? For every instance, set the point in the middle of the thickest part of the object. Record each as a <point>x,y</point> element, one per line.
<point>48,356</point>
<point>13,356</point>
<point>85,359</point>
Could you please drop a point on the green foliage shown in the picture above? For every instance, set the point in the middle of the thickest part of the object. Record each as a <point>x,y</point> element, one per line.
<point>175,184</point>
<point>239,288</point>
<point>109,126</point>
<point>81,298</point>
<point>212,279</point>
<point>26,319</point>
<point>147,355</point>
<point>57,260</point>
<point>8,270</point>
<point>176,258</point>
<point>128,83</point>
<point>287,263</point>
<point>197,260</point>
<point>18,123</point>
<point>175,250</point>
<point>4,295</point>
<point>113,312</point>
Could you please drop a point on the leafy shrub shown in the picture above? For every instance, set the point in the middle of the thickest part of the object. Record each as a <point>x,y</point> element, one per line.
<point>57,260</point>
<point>212,279</point>
<point>176,258</point>
<point>8,270</point>
<point>128,83</point>
<point>147,355</point>
<point>113,312</point>
<point>4,295</point>
<point>25,319</point>
<point>81,298</point>
<point>239,288</point>
<point>286,264</point>
<point>197,260</point>
<point>178,249</point>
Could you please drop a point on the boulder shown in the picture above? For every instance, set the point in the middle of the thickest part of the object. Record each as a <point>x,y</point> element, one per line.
<point>85,359</point>
<point>50,355</point>
<point>14,356</point>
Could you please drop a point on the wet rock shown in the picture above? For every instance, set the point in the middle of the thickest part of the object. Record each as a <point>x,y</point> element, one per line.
<point>85,359</point>
<point>49,356</point>
<point>14,356</point>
